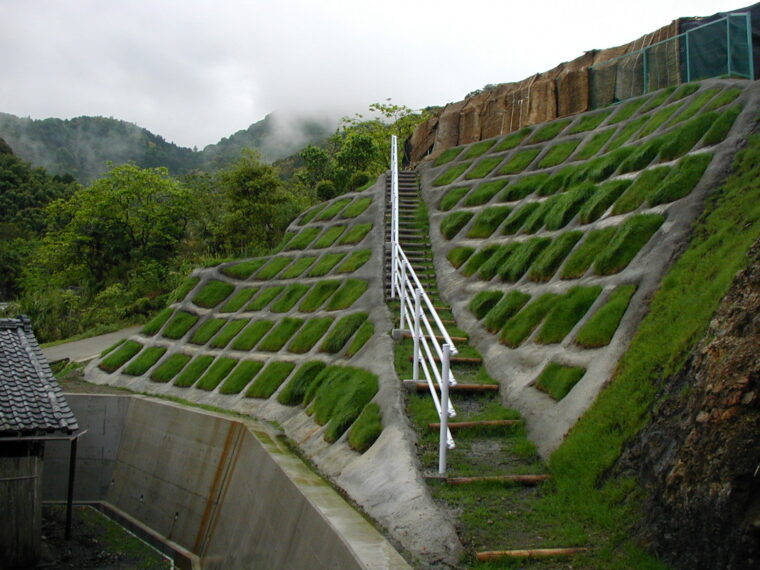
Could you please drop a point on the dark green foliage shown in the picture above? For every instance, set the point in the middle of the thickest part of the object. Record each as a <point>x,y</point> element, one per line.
<point>304,238</point>
<point>487,221</point>
<point>585,254</point>
<point>549,131</point>
<point>365,332</point>
<point>354,261</point>
<point>155,324</point>
<point>642,156</point>
<point>228,333</point>
<point>504,310</point>
<point>627,110</point>
<point>553,256</point>
<point>512,140</point>
<point>192,371</point>
<point>251,335</point>
<point>180,324</point>
<point>682,179</point>
<point>347,295</point>
<point>625,133</point>
<point>696,104</point>
<point>684,139</point>
<point>318,295</point>
<point>244,269</point>
<point>595,144</point>
<point>565,206</point>
<point>519,217</point>
<point>341,332</point>
<point>325,264</point>
<point>599,329</point>
<point>272,268</point>
<point>241,376</point>
<point>458,255</point>
<point>330,212</point>
<point>721,126</point>
<point>520,326</point>
<point>493,263</point>
<point>657,99</point>
<point>293,392</point>
<point>366,429</point>
<point>644,185</point>
<point>483,168</point>
<point>342,394</point>
<point>309,335</point>
<point>216,373</point>
<point>521,258</point>
<point>213,293</point>
<point>477,259</point>
<point>565,314</point>
<point>328,238</point>
<point>280,334</point>
<point>605,195</point>
<point>631,236</point>
<point>270,379</point>
<point>483,302</point>
<point>143,361</point>
<point>447,156</point>
<point>239,299</point>
<point>355,234</point>
<point>452,197</point>
<point>359,182</point>
<point>557,380</point>
<point>310,213</point>
<point>589,122</point>
<point>451,174</point>
<point>357,207</point>
<point>297,267</point>
<point>558,153</point>
<point>184,288</point>
<point>453,222</point>
<point>726,96</point>
<point>478,149</point>
<point>519,161</point>
<point>170,367</point>
<point>290,296</point>
<point>656,120</point>
<point>119,356</point>
<point>523,187</point>
<point>483,193</point>
<point>265,297</point>
<point>208,328</point>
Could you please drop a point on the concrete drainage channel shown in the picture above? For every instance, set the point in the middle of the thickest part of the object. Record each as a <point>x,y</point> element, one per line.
<point>210,491</point>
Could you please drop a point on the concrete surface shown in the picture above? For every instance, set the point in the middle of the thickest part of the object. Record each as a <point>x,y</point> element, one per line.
<point>88,348</point>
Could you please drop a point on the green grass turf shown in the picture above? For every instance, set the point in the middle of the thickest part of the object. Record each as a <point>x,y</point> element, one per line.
<point>458,255</point>
<point>269,379</point>
<point>244,269</point>
<point>280,334</point>
<point>483,302</point>
<point>549,131</point>
<point>265,297</point>
<point>486,222</point>
<point>170,367</point>
<point>241,376</point>
<point>454,222</point>
<point>630,237</point>
<point>551,258</point>
<point>179,325</point>
<point>657,99</point>
<point>483,168</point>
<point>599,329</point>
<point>637,193</point>
<point>565,206</point>
<point>726,96</point>
<point>342,394</point>
<point>366,429</point>
<point>627,110</point>
<point>602,167</point>
<point>213,293</point>
<point>193,371</point>
<point>477,259</point>
<point>154,325</point>
<point>589,122</point>
<point>356,208</point>
<point>348,293</point>
<point>490,267</point>
<point>625,133</point>
<point>310,334</point>
<point>682,140</point>
<point>452,197</point>
<point>603,198</point>
<point>208,328</point>
<point>303,239</point>
<point>140,364</point>
<point>325,264</point>
<point>290,296</point>
<point>682,179</point>
<point>521,325</point>
<point>695,105</point>
<point>523,187</point>
<point>119,356</point>
<point>447,155</point>
<point>238,300</point>
<point>293,392</point>
<point>518,263</point>
<point>584,255</point>
<point>518,218</point>
<point>296,268</point>
<point>451,174</point>
<point>595,144</point>
<point>366,331</point>
<point>332,210</point>
<point>478,149</point>
<point>251,335</point>
<point>341,332</point>
<point>318,295</point>
<point>558,153</point>
<point>721,127</point>
<point>642,156</point>
<point>224,336</point>
<point>355,234</point>
<point>512,140</point>
<point>519,161</point>
<point>483,193</point>
<point>183,289</point>
<point>567,311</point>
<point>329,236</point>
<point>354,261</point>
<point>557,380</point>
<point>309,214</point>
<point>271,269</point>
<point>656,120</point>
<point>215,373</point>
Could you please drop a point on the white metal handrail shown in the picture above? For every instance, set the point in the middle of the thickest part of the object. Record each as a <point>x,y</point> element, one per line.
<point>417,310</point>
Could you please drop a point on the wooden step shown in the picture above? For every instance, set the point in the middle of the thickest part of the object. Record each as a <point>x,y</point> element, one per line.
<point>529,553</point>
<point>517,479</point>
<point>423,387</point>
<point>486,423</point>
<point>440,338</point>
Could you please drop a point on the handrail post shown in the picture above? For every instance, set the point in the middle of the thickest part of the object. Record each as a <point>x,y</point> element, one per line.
<point>443,435</point>
<point>416,334</point>
<point>394,215</point>
<point>402,295</point>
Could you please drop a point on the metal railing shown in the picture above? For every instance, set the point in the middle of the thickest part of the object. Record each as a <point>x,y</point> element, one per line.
<point>418,312</point>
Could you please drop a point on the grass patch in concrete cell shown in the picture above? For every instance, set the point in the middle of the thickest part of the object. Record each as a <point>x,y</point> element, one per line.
<point>332,209</point>
<point>236,302</point>
<point>453,222</point>
<point>549,131</point>
<point>625,133</point>
<point>557,380</point>
<point>565,206</point>
<point>491,265</point>
<point>483,193</point>
<point>241,376</point>
<point>535,221</point>
<point>265,297</point>
<point>637,193</point>
<point>296,268</point>
<point>213,293</point>
<point>682,179</point>
<point>289,235</point>
<point>193,371</point>
<point>593,146</point>
<point>558,153</point>
<point>483,302</point>
<point>684,139</point>
<point>293,392</point>
<point>318,295</point>
<point>447,155</point>
<point>342,394</point>
<point>726,96</point>
<point>290,296</point>
<point>275,265</point>
<point>341,332</point>
<point>520,326</point>
<point>601,168</point>
<point>478,149</point>
<point>140,364</point>
<point>452,197</point>
<point>325,264</point>
<point>477,259</point>
<point>119,356</point>
<point>458,255</point>
<point>451,174</point>
<point>483,168</point>
<point>721,126</point>
<point>523,187</point>
<point>523,256</point>
<point>179,325</point>
<point>244,269</point>
<point>487,221</point>
<point>589,122</point>
<point>512,140</point>
<point>280,335</point>
<point>695,105</point>
<point>656,120</point>
<point>627,110</point>
<point>154,325</point>
<point>347,295</point>
<point>584,255</point>
<point>251,335</point>
<point>310,334</point>
<point>170,367</point>
<point>657,99</point>
<point>208,328</point>
<point>599,329</point>
<point>504,310</point>
<point>269,379</point>
<point>559,180</point>
<point>365,332</point>
<point>518,218</point>
<point>642,156</point>
<point>551,258</point>
<point>328,238</point>
<point>366,429</point>
<point>567,311</point>
<point>599,203</point>
<point>228,332</point>
<point>311,212</point>
<point>519,161</point>
<point>355,234</point>
<point>303,239</point>
<point>215,373</point>
<point>354,261</point>
<point>632,235</point>
<point>357,207</point>
<point>113,347</point>
<point>183,289</point>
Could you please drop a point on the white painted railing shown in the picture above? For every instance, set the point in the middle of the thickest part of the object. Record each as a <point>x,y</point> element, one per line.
<point>418,313</point>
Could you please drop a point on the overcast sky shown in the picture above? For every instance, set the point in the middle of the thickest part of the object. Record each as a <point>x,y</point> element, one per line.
<point>194,71</point>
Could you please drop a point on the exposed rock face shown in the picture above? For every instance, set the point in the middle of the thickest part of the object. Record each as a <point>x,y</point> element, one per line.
<point>699,459</point>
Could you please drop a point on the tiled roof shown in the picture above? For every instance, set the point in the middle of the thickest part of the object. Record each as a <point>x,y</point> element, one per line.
<point>31,400</point>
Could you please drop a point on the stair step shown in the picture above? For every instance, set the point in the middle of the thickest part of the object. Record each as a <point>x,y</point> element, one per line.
<point>529,553</point>
<point>484,423</point>
<point>423,387</point>
<point>440,338</point>
<point>519,479</point>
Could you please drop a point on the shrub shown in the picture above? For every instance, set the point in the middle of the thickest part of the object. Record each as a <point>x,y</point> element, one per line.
<point>280,334</point>
<point>682,179</point>
<point>265,297</point>
<point>170,367</point>
<point>354,261</point>
<point>523,187</point>
<point>520,326</point>
<point>366,429</point>
<point>602,199</point>
<point>589,122</point>
<point>452,197</point>
<point>227,333</point>
<point>483,168</point>
<point>184,288</point>
<point>487,221</point>
<point>325,264</point>
<point>213,293</point>
<point>332,209</point>
<point>304,238</point>
<point>215,373</point>
<point>566,206</point>
<point>567,311</point>
<point>557,380</point>
<point>241,376</point>
<point>477,259</point>
<point>341,332</point>
<point>275,265</point>
<point>627,110</point>
<point>519,161</point>
<point>453,222</point>
<point>329,236</point>
<point>340,398</point>
<point>293,392</point>
<point>208,328</point>
<point>179,325</point>
<point>483,302</point>
<point>355,234</point>
<point>683,140</point>
<point>251,335</point>
<point>585,254</point>
<point>599,329</point>
<point>451,174</point>
<point>646,183</point>
<point>553,256</point>
<point>192,371</point>
<point>512,140</point>
<point>458,255</point>
<point>631,236</point>
<point>119,356</point>
<point>244,269</point>
<point>296,268</point>
<point>326,190</point>
<point>356,207</point>
<point>721,126</point>
<point>549,131</point>
<point>310,213</point>
<point>270,379</point>
<point>365,332</point>
<point>290,296</point>
<point>522,258</point>
<point>483,193</point>
<point>143,361</point>
<point>155,324</point>
<point>625,133</point>
<point>558,153</point>
<point>595,144</point>
<point>491,265</point>
<point>347,295</point>
<point>447,155</point>
<point>519,217</point>
<point>359,180</point>
<point>238,300</point>
<point>309,335</point>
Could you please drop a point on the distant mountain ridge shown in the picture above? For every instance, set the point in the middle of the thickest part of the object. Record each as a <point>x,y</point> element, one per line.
<point>83,146</point>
